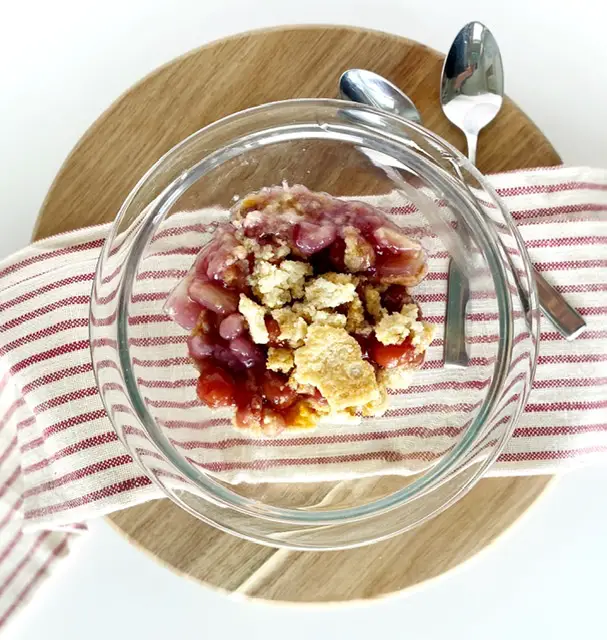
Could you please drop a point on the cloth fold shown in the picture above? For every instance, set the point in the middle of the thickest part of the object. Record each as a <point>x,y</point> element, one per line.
<point>61,462</point>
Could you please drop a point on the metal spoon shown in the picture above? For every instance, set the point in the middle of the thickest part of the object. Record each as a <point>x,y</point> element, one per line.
<point>472,89</point>
<point>369,88</point>
<point>366,87</point>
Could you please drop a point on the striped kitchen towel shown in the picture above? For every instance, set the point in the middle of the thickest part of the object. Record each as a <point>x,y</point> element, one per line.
<point>61,462</point>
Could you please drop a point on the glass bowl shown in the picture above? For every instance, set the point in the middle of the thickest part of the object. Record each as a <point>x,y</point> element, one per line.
<point>340,486</point>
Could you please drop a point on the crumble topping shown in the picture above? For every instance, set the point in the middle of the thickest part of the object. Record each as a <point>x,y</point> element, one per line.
<point>393,328</point>
<point>301,389</point>
<point>331,360</point>
<point>255,316</point>
<point>378,406</point>
<point>422,340</point>
<point>356,321</point>
<point>276,285</point>
<point>312,314</point>
<point>279,359</point>
<point>373,302</point>
<point>336,320</point>
<point>358,253</point>
<point>270,251</point>
<point>293,328</point>
<point>304,310</point>
<point>330,290</point>
<point>396,378</point>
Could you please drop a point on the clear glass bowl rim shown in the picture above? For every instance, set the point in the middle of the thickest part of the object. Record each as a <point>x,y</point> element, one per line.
<point>206,484</point>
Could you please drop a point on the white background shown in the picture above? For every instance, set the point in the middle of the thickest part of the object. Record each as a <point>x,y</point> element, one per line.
<point>62,62</point>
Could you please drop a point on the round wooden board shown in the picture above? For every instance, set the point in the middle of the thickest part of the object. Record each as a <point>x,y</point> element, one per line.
<point>173,102</point>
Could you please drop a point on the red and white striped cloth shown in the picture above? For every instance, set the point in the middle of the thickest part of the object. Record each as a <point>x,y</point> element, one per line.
<point>61,462</point>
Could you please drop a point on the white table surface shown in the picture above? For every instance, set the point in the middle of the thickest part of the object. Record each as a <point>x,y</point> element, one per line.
<point>61,64</point>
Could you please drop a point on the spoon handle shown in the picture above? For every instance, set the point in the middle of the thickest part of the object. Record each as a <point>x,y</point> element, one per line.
<point>458,292</point>
<point>562,315</point>
<point>472,141</point>
<point>455,352</point>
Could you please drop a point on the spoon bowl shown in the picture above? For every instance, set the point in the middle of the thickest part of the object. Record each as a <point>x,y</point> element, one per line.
<point>472,86</point>
<point>367,87</point>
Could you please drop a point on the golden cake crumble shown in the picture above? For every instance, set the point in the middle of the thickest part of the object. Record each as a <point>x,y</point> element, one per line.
<point>280,359</point>
<point>276,285</point>
<point>293,327</point>
<point>393,328</point>
<point>331,360</point>
<point>329,291</point>
<point>255,315</point>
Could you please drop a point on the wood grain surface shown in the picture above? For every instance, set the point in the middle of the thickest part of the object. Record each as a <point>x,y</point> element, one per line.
<point>173,102</point>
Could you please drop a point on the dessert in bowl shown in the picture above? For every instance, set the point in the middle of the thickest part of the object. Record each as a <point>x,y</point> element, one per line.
<point>267,321</point>
<point>300,310</point>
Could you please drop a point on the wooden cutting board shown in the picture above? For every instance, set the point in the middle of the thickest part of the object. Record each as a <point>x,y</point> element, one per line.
<point>173,102</point>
